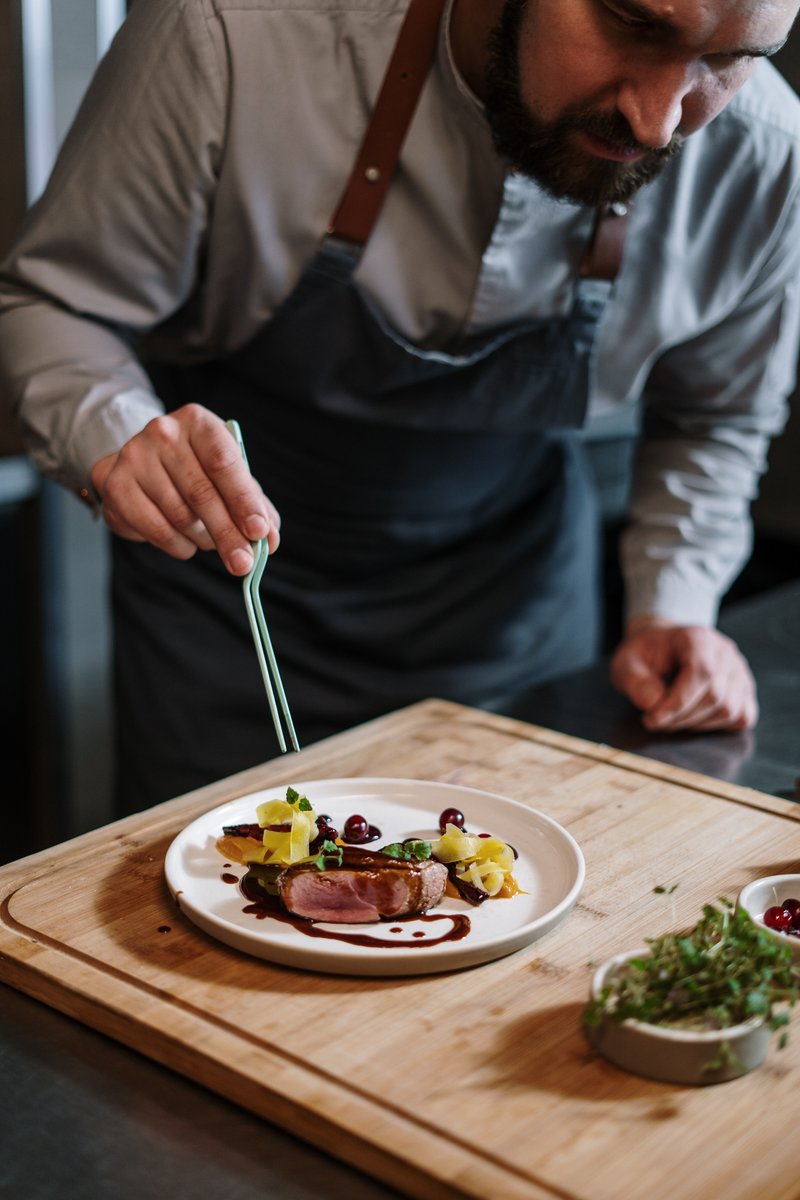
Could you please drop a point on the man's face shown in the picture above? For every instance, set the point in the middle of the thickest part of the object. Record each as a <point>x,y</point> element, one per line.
<point>591,98</point>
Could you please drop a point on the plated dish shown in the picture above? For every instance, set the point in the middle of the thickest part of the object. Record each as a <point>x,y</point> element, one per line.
<point>549,871</point>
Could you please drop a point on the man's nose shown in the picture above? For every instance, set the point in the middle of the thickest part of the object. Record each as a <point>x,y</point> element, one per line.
<point>653,103</point>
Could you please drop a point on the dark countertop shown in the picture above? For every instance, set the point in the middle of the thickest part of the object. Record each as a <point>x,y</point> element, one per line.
<point>767,630</point>
<point>82,1118</point>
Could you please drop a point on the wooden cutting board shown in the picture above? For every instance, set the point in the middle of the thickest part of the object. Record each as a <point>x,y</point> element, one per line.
<point>476,1083</point>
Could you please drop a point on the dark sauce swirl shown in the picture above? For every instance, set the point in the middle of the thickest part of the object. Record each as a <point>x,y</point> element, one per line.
<point>262,906</point>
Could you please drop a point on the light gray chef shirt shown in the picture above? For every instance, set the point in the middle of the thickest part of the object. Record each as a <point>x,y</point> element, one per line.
<point>200,175</point>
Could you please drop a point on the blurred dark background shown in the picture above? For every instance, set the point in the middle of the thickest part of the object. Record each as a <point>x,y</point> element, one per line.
<point>55,706</point>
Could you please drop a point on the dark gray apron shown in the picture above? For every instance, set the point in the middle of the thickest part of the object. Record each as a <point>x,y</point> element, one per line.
<point>438,533</point>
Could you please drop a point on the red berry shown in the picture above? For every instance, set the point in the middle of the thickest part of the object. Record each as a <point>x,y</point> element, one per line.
<point>325,829</point>
<point>778,917</point>
<point>356,829</point>
<point>793,906</point>
<point>451,816</point>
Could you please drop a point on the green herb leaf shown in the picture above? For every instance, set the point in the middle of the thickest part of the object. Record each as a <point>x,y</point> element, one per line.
<point>408,850</point>
<point>660,890</point>
<point>294,797</point>
<point>330,855</point>
<point>266,876</point>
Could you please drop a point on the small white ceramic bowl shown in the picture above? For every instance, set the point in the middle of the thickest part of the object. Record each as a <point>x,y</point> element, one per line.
<point>761,894</point>
<point>674,1055</point>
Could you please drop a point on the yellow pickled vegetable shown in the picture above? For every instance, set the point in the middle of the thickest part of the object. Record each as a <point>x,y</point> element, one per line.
<point>493,848</point>
<point>484,862</point>
<point>289,826</point>
<point>274,812</point>
<point>454,845</point>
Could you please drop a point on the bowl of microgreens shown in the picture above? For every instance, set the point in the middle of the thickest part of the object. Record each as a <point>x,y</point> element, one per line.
<point>695,1007</point>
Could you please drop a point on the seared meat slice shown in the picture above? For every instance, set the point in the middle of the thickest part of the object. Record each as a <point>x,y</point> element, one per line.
<point>368,886</point>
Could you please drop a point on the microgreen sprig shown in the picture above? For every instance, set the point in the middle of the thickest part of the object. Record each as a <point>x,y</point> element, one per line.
<point>410,850</point>
<point>294,797</point>
<point>331,855</point>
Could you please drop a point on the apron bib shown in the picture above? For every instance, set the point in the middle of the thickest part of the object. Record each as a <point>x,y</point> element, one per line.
<point>438,538</point>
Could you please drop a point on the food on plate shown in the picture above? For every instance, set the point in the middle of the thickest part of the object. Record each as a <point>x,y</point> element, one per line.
<point>300,858</point>
<point>451,816</point>
<point>365,886</point>
<point>288,829</point>
<point>480,866</point>
<point>358,830</point>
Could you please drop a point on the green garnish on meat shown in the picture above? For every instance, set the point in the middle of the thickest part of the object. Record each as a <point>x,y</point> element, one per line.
<point>330,855</point>
<point>410,850</point>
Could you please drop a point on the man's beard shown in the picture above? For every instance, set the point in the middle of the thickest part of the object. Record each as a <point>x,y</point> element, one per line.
<point>546,150</point>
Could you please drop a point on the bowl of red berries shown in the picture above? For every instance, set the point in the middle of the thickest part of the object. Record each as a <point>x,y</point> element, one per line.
<point>774,903</point>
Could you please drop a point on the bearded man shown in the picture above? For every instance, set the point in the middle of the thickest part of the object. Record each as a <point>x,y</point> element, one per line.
<point>413,248</point>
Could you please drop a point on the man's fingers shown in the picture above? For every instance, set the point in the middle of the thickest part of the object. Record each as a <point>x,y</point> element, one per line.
<point>148,505</point>
<point>705,682</point>
<point>632,676</point>
<point>146,523</point>
<point>712,691</point>
<point>202,500</point>
<point>719,717</point>
<point>729,704</point>
<point>222,463</point>
<point>687,696</point>
<point>182,484</point>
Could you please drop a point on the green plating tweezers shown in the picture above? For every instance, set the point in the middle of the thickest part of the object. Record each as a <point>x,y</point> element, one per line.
<point>258,627</point>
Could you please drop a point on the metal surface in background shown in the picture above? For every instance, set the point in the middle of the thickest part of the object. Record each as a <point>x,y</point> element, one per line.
<point>767,629</point>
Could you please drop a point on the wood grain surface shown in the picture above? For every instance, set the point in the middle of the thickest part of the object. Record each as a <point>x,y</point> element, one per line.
<point>476,1083</point>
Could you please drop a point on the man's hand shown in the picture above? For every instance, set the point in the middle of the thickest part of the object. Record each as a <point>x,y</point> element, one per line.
<point>183,485</point>
<point>684,677</point>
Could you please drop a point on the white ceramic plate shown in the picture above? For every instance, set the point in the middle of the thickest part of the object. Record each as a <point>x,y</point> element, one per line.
<point>550,871</point>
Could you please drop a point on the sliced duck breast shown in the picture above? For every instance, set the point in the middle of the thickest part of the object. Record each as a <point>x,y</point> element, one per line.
<point>368,886</point>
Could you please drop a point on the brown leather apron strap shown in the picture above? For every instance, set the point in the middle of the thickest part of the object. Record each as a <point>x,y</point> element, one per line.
<point>603,256</point>
<point>394,108</point>
<point>402,84</point>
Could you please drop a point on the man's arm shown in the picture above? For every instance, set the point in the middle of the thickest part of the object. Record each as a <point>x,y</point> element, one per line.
<point>711,406</point>
<point>114,247</point>
<point>111,251</point>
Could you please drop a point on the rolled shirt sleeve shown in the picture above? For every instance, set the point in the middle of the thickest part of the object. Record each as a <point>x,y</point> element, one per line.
<point>710,408</point>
